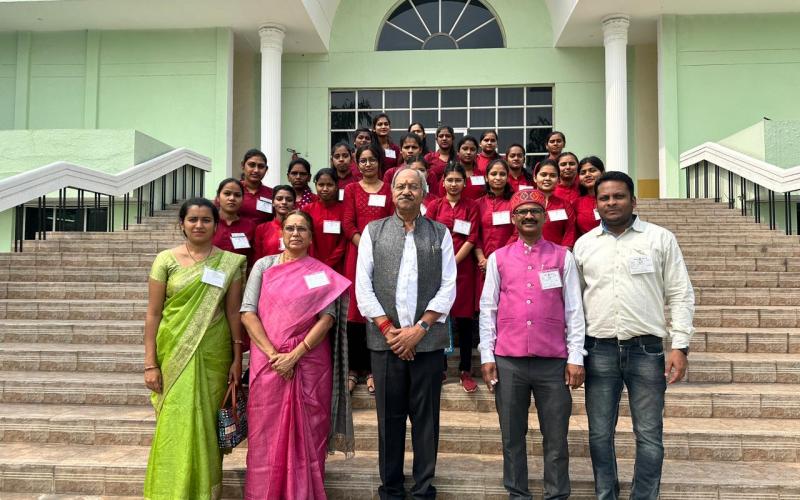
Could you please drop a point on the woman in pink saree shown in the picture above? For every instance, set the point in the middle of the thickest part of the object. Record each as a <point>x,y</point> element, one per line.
<point>299,406</point>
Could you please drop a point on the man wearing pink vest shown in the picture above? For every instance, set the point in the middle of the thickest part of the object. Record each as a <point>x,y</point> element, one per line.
<point>532,331</point>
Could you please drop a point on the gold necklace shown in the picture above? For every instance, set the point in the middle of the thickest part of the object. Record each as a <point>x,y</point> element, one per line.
<point>192,256</point>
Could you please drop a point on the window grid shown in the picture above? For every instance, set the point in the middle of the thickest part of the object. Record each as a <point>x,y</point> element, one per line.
<point>525,107</point>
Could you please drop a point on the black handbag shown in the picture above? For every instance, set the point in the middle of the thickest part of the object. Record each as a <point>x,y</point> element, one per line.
<point>232,418</point>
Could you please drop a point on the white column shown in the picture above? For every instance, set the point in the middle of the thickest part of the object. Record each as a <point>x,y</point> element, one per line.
<point>271,51</point>
<point>615,40</point>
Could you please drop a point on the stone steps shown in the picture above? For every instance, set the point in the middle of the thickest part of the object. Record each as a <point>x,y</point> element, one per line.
<point>746,316</point>
<point>747,296</point>
<point>119,470</point>
<point>72,274</point>
<point>73,309</point>
<point>700,439</point>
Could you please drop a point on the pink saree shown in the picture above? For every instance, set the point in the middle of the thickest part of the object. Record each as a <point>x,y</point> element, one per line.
<point>290,420</point>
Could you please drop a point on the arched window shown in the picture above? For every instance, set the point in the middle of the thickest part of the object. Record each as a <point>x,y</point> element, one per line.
<point>440,24</point>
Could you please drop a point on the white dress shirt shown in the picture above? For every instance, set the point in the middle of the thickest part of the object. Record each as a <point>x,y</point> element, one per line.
<point>573,311</point>
<point>627,280</point>
<point>406,294</point>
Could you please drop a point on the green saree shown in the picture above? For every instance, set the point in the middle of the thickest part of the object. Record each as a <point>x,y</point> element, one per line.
<point>194,351</point>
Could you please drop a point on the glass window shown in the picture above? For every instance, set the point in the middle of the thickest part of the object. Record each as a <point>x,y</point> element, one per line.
<point>440,25</point>
<point>519,114</point>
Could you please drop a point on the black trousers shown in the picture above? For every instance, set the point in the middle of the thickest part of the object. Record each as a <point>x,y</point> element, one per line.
<point>407,389</point>
<point>357,352</point>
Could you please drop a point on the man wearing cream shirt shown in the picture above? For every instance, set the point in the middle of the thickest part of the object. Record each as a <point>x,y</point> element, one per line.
<point>630,269</point>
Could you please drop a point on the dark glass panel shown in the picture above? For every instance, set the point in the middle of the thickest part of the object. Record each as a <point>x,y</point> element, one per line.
<point>456,118</point>
<point>509,117</point>
<point>370,99</point>
<point>428,118</point>
<point>488,37</point>
<point>454,98</point>
<point>396,135</point>
<point>392,39</point>
<point>532,160</point>
<point>475,15</point>
<point>508,136</point>
<point>429,10</point>
<point>481,118</point>
<point>440,42</point>
<point>398,119</point>
<point>540,96</point>
<point>97,219</point>
<point>450,12</point>
<point>341,137</point>
<point>424,99</point>
<point>539,116</point>
<point>343,120</point>
<point>405,17</point>
<point>343,100</point>
<point>514,96</point>
<point>365,118</point>
<point>481,97</point>
<point>395,99</point>
<point>535,140</point>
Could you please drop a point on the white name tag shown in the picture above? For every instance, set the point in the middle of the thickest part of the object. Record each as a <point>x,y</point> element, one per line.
<point>557,215</point>
<point>239,240</point>
<point>500,218</point>
<point>316,280</point>
<point>389,153</point>
<point>423,209</point>
<point>341,195</point>
<point>281,245</point>
<point>477,180</point>
<point>462,227</point>
<point>596,214</point>
<point>213,277</point>
<point>550,279</point>
<point>332,226</point>
<point>525,188</point>
<point>377,200</point>
<point>264,205</point>
<point>641,264</point>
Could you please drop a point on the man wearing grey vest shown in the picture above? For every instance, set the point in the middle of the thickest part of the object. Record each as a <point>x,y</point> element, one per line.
<point>405,286</point>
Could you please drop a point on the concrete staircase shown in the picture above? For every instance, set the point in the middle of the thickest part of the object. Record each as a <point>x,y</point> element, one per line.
<point>75,420</point>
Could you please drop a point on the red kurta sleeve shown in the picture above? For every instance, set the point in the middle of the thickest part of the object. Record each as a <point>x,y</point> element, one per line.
<point>349,227</point>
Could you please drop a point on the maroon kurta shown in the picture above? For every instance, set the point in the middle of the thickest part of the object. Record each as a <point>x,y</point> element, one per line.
<point>483,161</point>
<point>473,191</point>
<point>250,202</point>
<point>586,217</point>
<point>357,214</point>
<point>305,198</point>
<point>568,194</point>
<point>268,239</point>
<point>389,162</point>
<point>465,210</point>
<point>516,182</point>
<point>561,232</point>
<point>435,164</point>
<point>434,183</point>
<point>328,247</point>
<point>222,236</point>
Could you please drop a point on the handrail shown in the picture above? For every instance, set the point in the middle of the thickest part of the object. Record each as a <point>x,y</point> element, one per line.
<point>748,184</point>
<point>28,186</point>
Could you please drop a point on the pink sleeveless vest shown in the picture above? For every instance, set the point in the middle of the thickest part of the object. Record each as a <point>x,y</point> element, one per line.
<point>530,321</point>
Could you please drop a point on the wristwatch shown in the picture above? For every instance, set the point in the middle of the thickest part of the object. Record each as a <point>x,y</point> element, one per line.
<point>425,326</point>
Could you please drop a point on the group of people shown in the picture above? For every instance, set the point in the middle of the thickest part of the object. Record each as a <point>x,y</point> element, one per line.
<point>398,254</point>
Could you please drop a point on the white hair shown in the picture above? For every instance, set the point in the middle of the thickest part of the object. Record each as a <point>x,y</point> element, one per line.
<point>423,182</point>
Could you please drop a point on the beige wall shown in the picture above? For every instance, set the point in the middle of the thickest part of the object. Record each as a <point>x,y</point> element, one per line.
<point>246,101</point>
<point>645,111</point>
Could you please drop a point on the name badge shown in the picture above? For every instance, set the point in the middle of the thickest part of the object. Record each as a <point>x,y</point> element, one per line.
<point>264,205</point>
<point>550,279</point>
<point>500,218</point>
<point>281,244</point>
<point>377,200</point>
<point>596,214</point>
<point>557,215</point>
<point>239,241</point>
<point>213,277</point>
<point>462,227</point>
<point>316,280</point>
<point>332,226</point>
<point>423,209</point>
<point>389,153</point>
<point>641,264</point>
<point>477,180</point>
<point>341,195</point>
<point>525,188</point>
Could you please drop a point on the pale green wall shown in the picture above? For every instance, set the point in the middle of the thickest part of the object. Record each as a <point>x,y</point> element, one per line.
<point>171,85</point>
<point>726,73</point>
<point>644,128</point>
<point>246,102</point>
<point>529,59</point>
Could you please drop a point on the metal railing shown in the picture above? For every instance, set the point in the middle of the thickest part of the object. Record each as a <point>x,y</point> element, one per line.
<point>185,182</point>
<point>750,198</point>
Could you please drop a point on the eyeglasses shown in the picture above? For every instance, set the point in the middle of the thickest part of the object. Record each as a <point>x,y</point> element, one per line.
<point>367,161</point>
<point>298,229</point>
<point>529,211</point>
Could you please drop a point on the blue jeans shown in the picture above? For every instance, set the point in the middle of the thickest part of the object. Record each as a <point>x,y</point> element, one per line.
<point>641,369</point>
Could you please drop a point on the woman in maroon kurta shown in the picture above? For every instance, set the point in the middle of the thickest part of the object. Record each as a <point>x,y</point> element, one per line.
<point>365,201</point>
<point>346,169</point>
<point>268,238</point>
<point>410,147</point>
<point>438,160</point>
<point>460,215</point>
<point>488,152</point>
<point>420,164</point>
<point>476,182</point>
<point>299,175</point>
<point>496,228</point>
<point>418,129</point>
<point>568,186</point>
<point>234,234</point>
<point>586,216</point>
<point>559,223</point>
<point>381,129</point>
<point>518,177</point>
<point>327,212</point>
<point>257,198</point>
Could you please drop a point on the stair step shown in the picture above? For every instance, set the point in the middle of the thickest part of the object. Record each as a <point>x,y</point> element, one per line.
<point>72,291</point>
<point>72,274</point>
<point>72,331</point>
<point>749,279</point>
<point>73,309</point>
<point>755,340</point>
<point>77,259</point>
<point>119,470</point>
<point>747,296</point>
<point>72,357</point>
<point>746,316</point>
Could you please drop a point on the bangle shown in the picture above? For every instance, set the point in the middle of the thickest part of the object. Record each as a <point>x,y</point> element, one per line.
<point>385,326</point>
<point>154,367</point>
<point>237,341</point>
<point>305,344</point>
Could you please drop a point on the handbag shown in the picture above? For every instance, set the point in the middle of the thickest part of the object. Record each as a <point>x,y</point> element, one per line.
<point>232,418</point>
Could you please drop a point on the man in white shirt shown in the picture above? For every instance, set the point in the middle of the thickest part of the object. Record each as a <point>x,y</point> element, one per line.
<point>630,270</point>
<point>531,296</point>
<point>405,286</point>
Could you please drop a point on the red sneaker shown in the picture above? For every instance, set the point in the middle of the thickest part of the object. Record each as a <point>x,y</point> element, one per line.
<point>467,383</point>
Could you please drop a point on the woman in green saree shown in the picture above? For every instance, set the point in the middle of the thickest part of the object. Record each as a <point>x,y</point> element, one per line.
<point>193,349</point>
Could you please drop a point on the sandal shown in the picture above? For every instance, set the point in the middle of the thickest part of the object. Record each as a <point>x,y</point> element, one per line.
<point>352,382</point>
<point>370,385</point>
